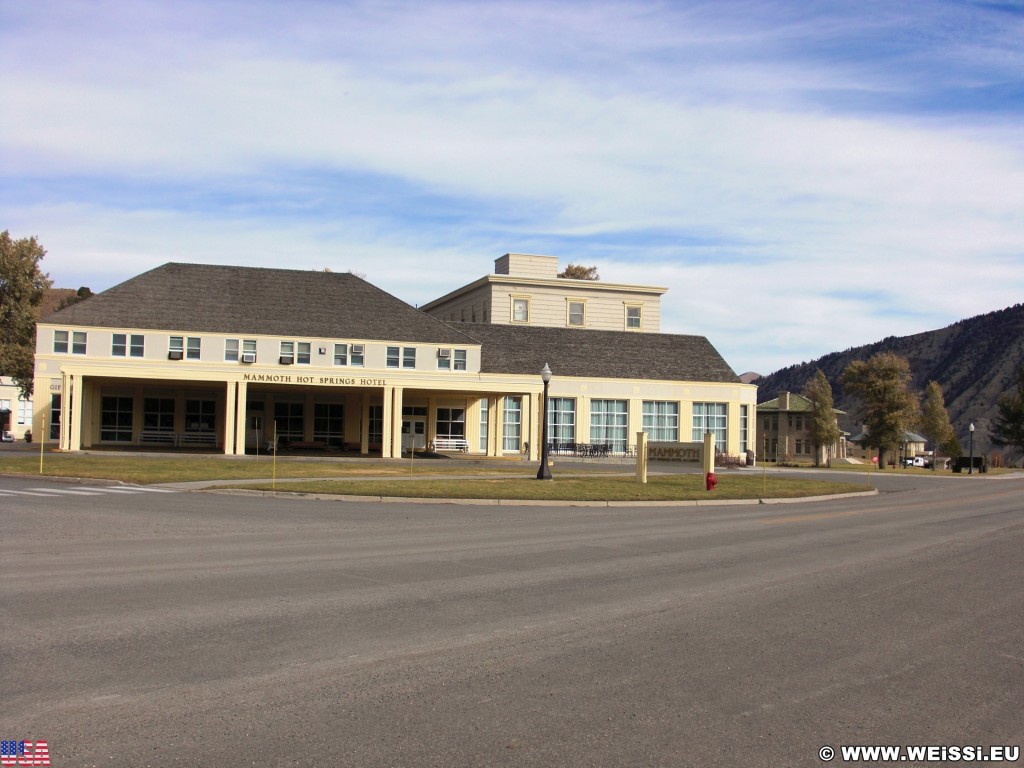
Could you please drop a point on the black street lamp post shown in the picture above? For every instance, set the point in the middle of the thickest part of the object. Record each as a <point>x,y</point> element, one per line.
<point>544,473</point>
<point>970,429</point>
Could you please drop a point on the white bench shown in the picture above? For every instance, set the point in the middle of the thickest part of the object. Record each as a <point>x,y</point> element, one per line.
<point>157,437</point>
<point>451,444</point>
<point>198,438</point>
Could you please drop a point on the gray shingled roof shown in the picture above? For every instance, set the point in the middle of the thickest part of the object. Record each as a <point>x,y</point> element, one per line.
<point>274,302</point>
<point>797,404</point>
<point>598,354</point>
<point>283,302</point>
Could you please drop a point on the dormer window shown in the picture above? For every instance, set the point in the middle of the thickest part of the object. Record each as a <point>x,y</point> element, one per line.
<point>576,313</point>
<point>633,317</point>
<point>520,310</point>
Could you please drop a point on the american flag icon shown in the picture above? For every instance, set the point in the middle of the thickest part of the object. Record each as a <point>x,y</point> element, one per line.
<point>24,753</point>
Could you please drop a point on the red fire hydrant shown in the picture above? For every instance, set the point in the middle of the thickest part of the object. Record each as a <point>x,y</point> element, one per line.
<point>711,481</point>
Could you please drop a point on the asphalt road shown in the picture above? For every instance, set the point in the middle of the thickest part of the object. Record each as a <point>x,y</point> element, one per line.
<point>161,629</point>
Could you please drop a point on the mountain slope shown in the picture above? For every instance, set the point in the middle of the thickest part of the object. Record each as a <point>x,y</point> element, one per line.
<point>974,361</point>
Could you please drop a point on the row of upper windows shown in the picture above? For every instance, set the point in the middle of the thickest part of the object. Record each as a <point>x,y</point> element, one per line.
<point>244,350</point>
<point>447,359</point>
<point>576,313</point>
<point>798,422</point>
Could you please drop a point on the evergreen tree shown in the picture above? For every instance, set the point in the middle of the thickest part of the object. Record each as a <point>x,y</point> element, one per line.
<point>887,405</point>
<point>952,447</point>
<point>22,287</point>
<point>1008,428</point>
<point>824,429</point>
<point>935,424</point>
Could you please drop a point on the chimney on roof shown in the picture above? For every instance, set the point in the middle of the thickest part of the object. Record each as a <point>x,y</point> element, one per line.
<point>527,265</point>
<point>783,401</point>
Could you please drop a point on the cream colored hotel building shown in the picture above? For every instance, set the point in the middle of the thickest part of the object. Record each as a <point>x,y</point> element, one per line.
<point>190,356</point>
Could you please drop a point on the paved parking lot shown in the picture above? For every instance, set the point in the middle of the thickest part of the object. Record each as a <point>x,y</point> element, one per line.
<point>186,628</point>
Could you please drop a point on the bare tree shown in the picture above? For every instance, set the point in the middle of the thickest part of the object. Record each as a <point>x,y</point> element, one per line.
<point>579,272</point>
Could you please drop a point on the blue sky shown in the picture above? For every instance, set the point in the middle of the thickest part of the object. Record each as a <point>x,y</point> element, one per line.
<point>803,176</point>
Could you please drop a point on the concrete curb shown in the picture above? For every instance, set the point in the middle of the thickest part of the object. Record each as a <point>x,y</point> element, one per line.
<point>540,502</point>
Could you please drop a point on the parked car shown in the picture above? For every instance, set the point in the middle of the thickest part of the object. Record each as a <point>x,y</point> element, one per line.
<point>7,437</point>
<point>918,461</point>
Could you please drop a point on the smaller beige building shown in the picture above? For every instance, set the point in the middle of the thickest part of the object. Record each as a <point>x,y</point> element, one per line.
<point>786,436</point>
<point>15,411</point>
<point>912,445</point>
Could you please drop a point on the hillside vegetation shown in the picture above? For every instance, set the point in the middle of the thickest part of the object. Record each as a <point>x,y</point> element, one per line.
<point>974,361</point>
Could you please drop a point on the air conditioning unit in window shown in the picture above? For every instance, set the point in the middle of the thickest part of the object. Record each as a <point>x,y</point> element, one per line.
<point>286,360</point>
<point>175,354</point>
<point>358,349</point>
<point>248,357</point>
<point>444,352</point>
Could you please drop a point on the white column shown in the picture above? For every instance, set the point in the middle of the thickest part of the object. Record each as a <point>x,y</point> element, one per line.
<point>495,404</point>
<point>230,404</point>
<point>396,423</point>
<point>386,431</point>
<point>77,412</point>
<point>241,419</point>
<point>531,431</point>
<point>65,412</point>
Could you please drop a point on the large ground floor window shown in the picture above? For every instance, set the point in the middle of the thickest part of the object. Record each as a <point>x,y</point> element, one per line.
<point>201,416</point>
<point>24,411</point>
<point>484,423</point>
<point>55,417</point>
<point>116,419</point>
<point>561,420</point>
<point>710,417</point>
<point>158,414</point>
<point>609,423</point>
<point>744,428</point>
<point>451,422</point>
<point>375,425</point>
<point>512,424</point>
<point>289,419</point>
<point>329,423</point>
<point>661,421</point>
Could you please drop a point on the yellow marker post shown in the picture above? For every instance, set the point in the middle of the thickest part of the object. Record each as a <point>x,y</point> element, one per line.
<point>42,442</point>
<point>273,473</point>
<point>641,457</point>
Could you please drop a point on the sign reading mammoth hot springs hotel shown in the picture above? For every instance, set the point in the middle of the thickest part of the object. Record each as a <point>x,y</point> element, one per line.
<point>683,452</point>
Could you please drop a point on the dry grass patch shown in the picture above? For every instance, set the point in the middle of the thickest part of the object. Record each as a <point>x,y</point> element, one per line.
<point>597,488</point>
<point>149,469</point>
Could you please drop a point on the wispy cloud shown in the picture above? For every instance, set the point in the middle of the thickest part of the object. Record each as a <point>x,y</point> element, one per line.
<point>769,162</point>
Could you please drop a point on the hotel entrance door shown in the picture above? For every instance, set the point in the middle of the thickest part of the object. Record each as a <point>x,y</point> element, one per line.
<point>414,433</point>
